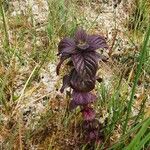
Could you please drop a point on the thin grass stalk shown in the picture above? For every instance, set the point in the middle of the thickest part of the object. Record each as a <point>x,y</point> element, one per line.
<point>5,25</point>
<point>138,73</point>
<point>2,97</point>
<point>141,111</point>
<point>20,131</point>
<point>23,90</point>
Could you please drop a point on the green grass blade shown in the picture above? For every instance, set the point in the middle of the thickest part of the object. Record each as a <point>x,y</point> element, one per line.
<point>123,138</point>
<point>144,141</point>
<point>138,72</point>
<point>135,142</point>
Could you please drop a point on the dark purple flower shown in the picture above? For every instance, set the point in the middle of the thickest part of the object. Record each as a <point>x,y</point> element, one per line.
<point>80,84</point>
<point>74,81</point>
<point>85,63</point>
<point>82,51</point>
<point>83,60</point>
<point>91,130</point>
<point>66,46</point>
<point>88,113</point>
<point>81,99</point>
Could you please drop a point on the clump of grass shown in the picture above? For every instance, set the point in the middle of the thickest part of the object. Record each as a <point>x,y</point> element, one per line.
<point>140,17</point>
<point>55,128</point>
<point>120,120</point>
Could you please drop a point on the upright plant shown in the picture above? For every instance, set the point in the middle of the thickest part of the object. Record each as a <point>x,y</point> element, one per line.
<point>83,61</point>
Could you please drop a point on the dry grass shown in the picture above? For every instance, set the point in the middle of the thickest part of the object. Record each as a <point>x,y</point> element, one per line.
<point>34,115</point>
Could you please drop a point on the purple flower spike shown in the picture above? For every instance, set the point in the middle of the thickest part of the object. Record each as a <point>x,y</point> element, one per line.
<point>88,113</point>
<point>83,60</point>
